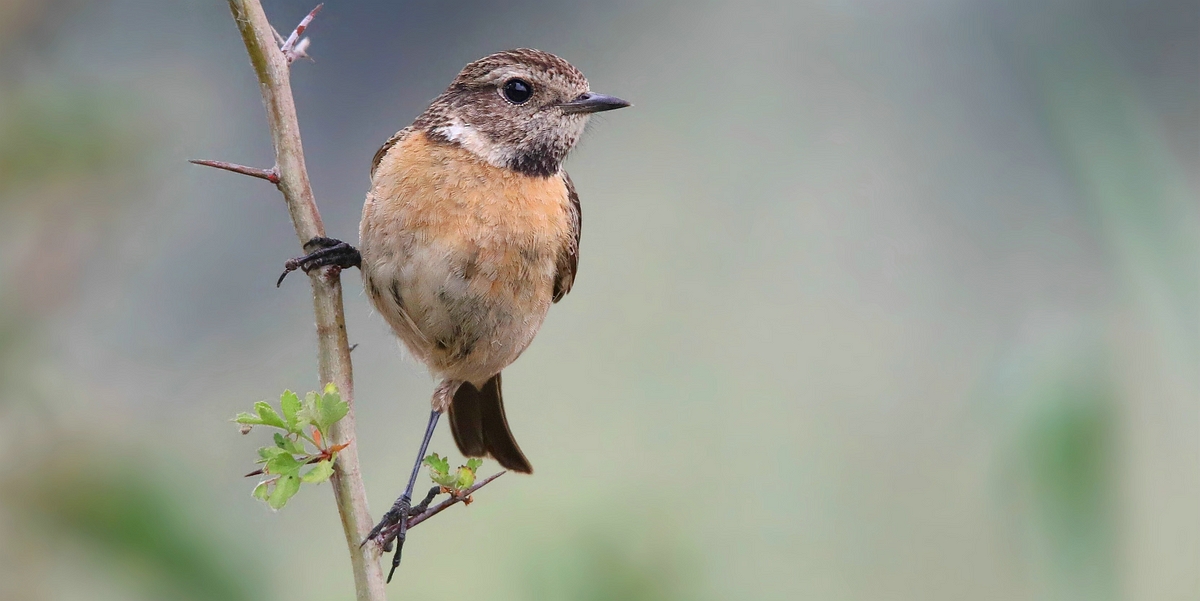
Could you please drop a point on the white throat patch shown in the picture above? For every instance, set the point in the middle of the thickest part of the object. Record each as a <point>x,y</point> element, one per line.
<point>476,143</point>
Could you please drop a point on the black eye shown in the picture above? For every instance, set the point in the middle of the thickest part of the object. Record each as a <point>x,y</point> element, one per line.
<point>517,91</point>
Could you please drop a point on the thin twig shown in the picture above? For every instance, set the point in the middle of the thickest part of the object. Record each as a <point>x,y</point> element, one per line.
<point>333,351</point>
<point>290,49</point>
<point>389,534</point>
<point>271,175</point>
<point>440,507</point>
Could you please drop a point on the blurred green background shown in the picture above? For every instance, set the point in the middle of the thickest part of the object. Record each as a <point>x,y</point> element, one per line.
<point>877,300</point>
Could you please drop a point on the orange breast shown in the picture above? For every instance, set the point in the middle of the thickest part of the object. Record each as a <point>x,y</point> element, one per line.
<point>440,190</point>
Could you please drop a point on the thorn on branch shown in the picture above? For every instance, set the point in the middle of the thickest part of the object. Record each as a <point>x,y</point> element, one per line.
<point>294,47</point>
<point>271,175</point>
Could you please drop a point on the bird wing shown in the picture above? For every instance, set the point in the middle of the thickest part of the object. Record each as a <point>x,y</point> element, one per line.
<point>568,257</point>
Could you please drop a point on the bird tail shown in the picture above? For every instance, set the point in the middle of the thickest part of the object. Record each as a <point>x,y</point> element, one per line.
<point>479,427</point>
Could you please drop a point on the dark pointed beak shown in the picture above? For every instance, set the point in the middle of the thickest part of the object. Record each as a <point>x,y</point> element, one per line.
<point>592,103</point>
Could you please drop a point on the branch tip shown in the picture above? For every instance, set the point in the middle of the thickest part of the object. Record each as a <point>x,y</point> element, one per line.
<point>294,47</point>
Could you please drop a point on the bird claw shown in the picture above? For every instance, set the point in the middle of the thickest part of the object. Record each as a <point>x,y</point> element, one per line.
<point>325,252</point>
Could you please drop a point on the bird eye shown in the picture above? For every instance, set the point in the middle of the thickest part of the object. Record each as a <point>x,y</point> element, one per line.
<point>517,91</point>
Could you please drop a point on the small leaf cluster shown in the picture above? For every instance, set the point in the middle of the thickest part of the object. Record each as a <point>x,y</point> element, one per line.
<point>302,424</point>
<point>454,483</point>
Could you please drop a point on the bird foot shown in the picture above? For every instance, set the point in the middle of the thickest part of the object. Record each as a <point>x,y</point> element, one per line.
<point>394,525</point>
<point>323,252</point>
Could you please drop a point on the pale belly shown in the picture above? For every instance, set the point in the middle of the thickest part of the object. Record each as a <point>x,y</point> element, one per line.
<point>466,311</point>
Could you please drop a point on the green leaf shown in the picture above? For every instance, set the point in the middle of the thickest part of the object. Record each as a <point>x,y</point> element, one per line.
<point>465,479</point>
<point>290,404</point>
<point>294,446</point>
<point>260,491</point>
<point>269,416</point>
<point>285,488</point>
<point>247,418</point>
<point>437,464</point>
<point>283,464</point>
<point>308,409</point>
<point>289,444</point>
<point>269,452</point>
<point>323,410</point>
<point>330,409</point>
<point>319,473</point>
<point>474,464</point>
<point>438,470</point>
<point>447,480</point>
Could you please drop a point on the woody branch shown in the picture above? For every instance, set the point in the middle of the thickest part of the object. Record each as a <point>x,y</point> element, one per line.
<point>271,58</point>
<point>271,65</point>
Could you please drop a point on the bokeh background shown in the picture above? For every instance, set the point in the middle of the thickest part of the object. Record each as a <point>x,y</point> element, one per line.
<point>877,300</point>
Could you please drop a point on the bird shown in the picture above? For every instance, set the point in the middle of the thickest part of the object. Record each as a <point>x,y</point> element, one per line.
<point>469,232</point>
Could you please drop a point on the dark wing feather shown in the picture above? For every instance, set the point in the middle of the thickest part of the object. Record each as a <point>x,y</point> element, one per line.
<point>383,150</point>
<point>568,257</point>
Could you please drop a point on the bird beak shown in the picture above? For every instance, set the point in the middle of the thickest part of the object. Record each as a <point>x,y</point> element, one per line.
<point>589,102</point>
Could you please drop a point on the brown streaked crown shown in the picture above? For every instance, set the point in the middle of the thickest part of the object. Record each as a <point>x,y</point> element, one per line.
<point>532,136</point>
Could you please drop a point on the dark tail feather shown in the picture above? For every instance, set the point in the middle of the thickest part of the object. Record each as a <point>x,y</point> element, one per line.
<point>466,421</point>
<point>479,427</point>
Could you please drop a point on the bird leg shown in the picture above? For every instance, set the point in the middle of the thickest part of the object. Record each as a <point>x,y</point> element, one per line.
<point>398,515</point>
<point>323,252</point>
